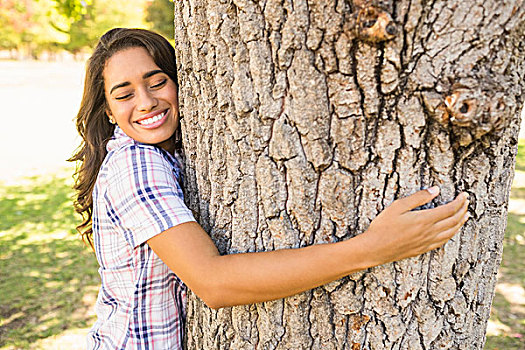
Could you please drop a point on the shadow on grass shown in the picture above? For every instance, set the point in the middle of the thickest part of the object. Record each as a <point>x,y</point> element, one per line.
<point>520,158</point>
<point>48,277</point>
<point>518,193</point>
<point>508,311</point>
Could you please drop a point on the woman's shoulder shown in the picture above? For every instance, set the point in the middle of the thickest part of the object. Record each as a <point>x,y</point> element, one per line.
<point>123,150</point>
<point>129,161</point>
<point>136,156</point>
<point>134,166</point>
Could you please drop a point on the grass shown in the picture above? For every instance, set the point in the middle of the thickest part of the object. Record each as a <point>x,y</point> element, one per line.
<point>520,159</point>
<point>49,279</point>
<point>506,328</point>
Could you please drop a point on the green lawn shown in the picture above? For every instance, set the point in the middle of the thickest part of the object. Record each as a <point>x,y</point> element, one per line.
<point>49,279</point>
<point>507,323</point>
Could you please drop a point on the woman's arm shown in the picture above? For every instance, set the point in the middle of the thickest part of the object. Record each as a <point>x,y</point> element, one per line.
<point>236,279</point>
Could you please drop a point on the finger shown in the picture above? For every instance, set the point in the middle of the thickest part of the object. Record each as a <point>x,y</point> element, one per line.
<point>444,236</point>
<point>453,220</point>
<point>445,211</point>
<point>416,200</point>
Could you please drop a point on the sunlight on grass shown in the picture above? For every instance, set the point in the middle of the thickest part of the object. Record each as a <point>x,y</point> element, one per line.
<point>71,339</point>
<point>514,294</point>
<point>49,278</point>
<point>496,328</point>
<point>506,327</point>
<point>520,159</point>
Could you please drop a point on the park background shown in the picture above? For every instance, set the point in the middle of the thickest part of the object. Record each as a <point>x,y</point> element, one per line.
<point>48,278</point>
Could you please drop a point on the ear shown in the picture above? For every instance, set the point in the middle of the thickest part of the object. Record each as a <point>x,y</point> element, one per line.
<point>110,116</point>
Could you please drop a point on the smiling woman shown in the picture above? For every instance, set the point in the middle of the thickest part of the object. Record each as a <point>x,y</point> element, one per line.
<point>141,98</point>
<point>128,120</point>
<point>146,240</point>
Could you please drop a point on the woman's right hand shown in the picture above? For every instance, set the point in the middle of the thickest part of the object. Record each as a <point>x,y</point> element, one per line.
<point>399,232</point>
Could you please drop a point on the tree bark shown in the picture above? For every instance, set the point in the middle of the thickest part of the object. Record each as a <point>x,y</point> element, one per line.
<point>303,119</point>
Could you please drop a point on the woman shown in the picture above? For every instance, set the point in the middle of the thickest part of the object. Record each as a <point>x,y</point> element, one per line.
<point>145,238</point>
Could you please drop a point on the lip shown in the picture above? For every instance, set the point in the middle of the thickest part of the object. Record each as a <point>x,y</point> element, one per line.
<point>151,115</point>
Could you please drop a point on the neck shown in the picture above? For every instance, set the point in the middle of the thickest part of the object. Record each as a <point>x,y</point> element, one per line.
<point>168,145</point>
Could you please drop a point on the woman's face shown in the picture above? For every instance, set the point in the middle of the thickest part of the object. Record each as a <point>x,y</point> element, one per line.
<point>141,98</point>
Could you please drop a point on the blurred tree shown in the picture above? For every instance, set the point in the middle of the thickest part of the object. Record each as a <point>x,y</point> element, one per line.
<point>44,35</point>
<point>27,25</point>
<point>15,19</point>
<point>32,26</point>
<point>9,38</point>
<point>73,9</point>
<point>86,21</point>
<point>160,15</point>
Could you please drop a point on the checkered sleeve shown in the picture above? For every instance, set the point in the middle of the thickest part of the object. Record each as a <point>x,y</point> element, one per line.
<point>143,197</point>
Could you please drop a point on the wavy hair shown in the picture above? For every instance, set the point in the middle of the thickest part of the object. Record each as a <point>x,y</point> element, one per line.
<point>92,122</point>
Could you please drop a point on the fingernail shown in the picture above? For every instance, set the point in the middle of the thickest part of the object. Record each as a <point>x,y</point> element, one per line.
<point>433,190</point>
<point>465,195</point>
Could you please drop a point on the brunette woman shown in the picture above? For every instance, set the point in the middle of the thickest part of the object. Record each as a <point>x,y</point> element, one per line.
<point>145,238</point>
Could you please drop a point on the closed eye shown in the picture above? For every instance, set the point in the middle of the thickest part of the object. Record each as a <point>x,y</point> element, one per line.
<point>159,84</point>
<point>123,97</point>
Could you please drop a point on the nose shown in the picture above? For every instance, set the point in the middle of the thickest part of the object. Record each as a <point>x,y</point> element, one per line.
<point>145,100</point>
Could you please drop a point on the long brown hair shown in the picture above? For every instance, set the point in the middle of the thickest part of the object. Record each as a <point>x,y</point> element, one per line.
<point>92,122</point>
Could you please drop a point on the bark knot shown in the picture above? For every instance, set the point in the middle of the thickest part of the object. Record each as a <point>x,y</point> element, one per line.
<point>372,24</point>
<point>472,108</point>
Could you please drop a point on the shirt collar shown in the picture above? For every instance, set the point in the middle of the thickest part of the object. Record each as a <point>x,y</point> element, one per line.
<point>118,140</point>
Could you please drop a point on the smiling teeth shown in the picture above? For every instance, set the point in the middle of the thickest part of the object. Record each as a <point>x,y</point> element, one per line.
<point>152,119</point>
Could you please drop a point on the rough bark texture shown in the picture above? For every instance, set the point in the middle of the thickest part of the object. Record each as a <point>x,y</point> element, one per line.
<point>303,119</point>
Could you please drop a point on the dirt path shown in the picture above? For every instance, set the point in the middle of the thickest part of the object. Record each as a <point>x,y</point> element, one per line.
<point>39,101</point>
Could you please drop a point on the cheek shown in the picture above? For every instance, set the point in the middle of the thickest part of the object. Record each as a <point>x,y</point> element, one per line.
<point>120,111</point>
<point>110,107</point>
<point>171,93</point>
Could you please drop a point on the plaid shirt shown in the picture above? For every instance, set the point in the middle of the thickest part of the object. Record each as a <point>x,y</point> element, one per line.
<point>141,302</point>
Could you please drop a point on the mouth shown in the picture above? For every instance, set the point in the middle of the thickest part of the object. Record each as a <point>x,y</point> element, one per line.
<point>153,121</point>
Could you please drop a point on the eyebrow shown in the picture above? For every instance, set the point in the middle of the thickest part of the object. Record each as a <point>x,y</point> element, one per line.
<point>145,76</point>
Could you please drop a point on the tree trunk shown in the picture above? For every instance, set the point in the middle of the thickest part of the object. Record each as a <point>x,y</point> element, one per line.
<point>303,119</point>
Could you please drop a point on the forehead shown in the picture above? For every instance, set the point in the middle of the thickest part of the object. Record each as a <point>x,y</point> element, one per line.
<point>128,65</point>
